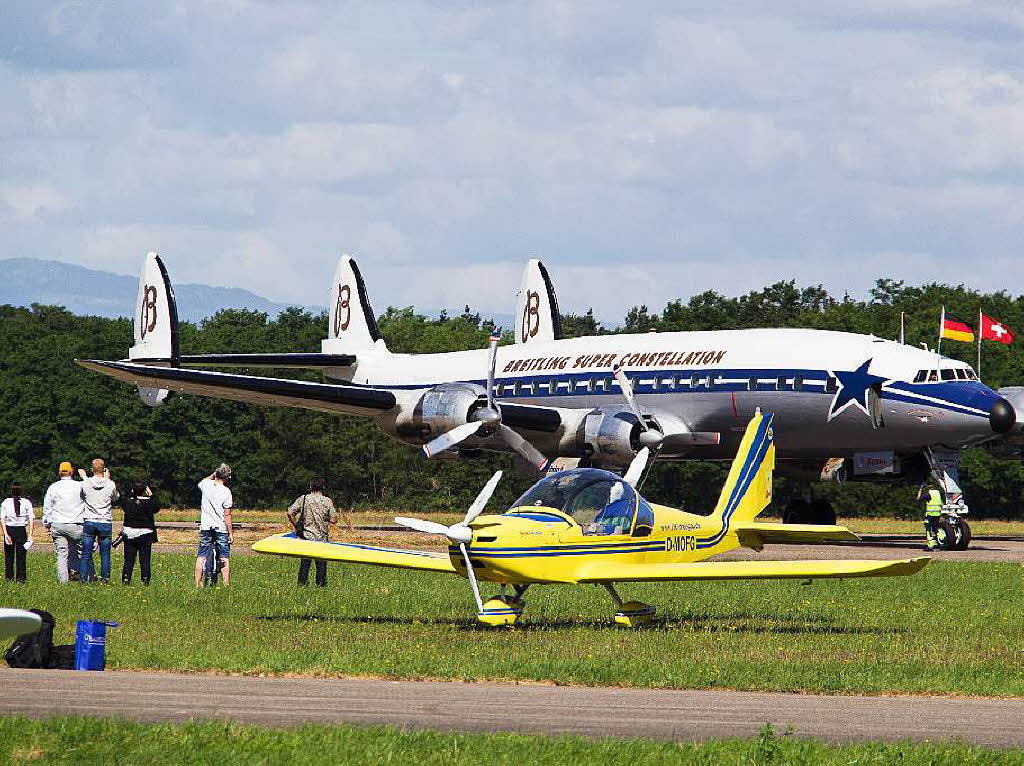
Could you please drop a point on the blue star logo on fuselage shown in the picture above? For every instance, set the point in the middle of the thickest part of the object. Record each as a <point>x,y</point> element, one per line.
<point>853,389</point>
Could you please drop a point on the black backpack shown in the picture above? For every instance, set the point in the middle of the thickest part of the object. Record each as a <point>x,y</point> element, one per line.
<point>33,650</point>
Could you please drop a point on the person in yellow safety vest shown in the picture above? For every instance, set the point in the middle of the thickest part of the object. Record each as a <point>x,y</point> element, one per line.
<point>932,511</point>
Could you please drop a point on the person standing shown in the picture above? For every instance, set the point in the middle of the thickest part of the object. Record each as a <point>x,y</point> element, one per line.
<point>139,531</point>
<point>215,528</point>
<point>99,494</point>
<point>932,512</point>
<point>16,521</point>
<point>311,516</point>
<point>63,508</point>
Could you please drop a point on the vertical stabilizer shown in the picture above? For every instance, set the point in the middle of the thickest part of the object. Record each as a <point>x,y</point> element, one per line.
<point>351,323</point>
<point>155,324</point>
<point>748,489</point>
<point>537,318</point>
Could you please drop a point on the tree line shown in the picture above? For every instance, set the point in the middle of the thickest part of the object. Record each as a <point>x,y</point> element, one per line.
<point>53,410</point>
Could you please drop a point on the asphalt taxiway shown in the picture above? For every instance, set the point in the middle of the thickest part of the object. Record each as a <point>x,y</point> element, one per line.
<point>591,712</point>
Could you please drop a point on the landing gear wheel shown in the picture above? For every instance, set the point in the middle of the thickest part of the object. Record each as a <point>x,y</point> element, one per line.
<point>963,539</point>
<point>822,512</point>
<point>634,614</point>
<point>945,535</point>
<point>501,611</point>
<point>797,512</point>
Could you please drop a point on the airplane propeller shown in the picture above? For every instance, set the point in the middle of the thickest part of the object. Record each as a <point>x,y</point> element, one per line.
<point>459,533</point>
<point>488,420</point>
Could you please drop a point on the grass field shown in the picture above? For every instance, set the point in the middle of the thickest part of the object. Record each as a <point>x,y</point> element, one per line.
<point>953,629</point>
<point>81,740</point>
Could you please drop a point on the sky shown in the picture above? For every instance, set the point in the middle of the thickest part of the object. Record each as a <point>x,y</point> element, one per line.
<point>643,151</point>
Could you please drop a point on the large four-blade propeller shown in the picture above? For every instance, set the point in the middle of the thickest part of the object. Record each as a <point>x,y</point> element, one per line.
<point>487,419</point>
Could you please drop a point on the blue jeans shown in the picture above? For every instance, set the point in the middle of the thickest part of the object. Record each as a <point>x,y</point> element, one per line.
<point>91,532</point>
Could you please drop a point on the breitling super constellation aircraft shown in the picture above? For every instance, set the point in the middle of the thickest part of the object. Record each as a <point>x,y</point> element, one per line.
<point>845,405</point>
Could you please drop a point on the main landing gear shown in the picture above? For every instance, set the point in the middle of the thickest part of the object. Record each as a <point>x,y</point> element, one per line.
<point>631,614</point>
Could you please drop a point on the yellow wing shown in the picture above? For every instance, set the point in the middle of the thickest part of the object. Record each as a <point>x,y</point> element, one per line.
<point>756,534</point>
<point>600,571</point>
<point>290,545</point>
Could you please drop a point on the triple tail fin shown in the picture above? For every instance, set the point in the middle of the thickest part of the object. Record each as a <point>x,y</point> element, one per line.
<point>748,489</point>
<point>537,318</point>
<point>351,323</point>
<point>155,325</point>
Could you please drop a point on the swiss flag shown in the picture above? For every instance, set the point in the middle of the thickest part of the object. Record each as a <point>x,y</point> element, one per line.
<point>993,329</point>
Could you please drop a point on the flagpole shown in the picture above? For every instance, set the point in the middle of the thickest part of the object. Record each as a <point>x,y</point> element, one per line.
<point>938,346</point>
<point>979,342</point>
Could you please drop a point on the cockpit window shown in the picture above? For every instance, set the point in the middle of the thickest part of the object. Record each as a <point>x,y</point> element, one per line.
<point>961,373</point>
<point>599,501</point>
<point>971,375</point>
<point>948,374</point>
<point>921,376</point>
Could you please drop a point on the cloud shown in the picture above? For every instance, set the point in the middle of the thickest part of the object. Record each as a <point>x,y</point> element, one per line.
<point>643,152</point>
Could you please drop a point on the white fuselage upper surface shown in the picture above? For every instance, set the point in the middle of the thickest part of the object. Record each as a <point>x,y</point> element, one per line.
<point>815,381</point>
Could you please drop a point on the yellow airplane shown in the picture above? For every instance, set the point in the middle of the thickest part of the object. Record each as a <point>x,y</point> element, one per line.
<point>585,525</point>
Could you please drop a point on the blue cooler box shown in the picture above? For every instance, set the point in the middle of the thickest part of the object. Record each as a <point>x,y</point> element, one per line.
<point>91,644</point>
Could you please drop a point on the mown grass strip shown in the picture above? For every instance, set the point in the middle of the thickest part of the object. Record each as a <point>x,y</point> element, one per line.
<point>84,741</point>
<point>953,629</point>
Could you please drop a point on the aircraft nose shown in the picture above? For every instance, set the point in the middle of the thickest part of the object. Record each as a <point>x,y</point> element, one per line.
<point>1002,416</point>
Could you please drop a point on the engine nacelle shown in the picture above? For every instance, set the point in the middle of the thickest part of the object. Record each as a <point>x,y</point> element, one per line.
<point>440,409</point>
<point>609,437</point>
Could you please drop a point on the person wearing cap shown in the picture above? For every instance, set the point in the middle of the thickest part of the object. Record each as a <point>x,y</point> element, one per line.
<point>16,520</point>
<point>215,526</point>
<point>99,494</point>
<point>63,508</point>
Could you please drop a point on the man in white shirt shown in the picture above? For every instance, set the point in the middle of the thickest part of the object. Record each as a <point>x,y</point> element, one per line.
<point>99,494</point>
<point>215,526</point>
<point>62,515</point>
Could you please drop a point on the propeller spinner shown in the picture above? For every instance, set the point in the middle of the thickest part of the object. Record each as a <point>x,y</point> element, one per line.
<point>459,533</point>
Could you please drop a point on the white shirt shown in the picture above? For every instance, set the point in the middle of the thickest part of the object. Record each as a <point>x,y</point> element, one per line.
<point>216,500</point>
<point>63,503</point>
<point>8,515</point>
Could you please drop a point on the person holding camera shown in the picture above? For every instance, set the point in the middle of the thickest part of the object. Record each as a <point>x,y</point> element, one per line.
<point>99,494</point>
<point>311,516</point>
<point>215,528</point>
<point>139,532</point>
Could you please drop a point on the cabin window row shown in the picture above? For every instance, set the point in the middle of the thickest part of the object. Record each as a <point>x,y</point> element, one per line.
<point>605,384</point>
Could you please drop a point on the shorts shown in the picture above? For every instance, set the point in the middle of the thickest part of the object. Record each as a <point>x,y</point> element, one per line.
<point>208,537</point>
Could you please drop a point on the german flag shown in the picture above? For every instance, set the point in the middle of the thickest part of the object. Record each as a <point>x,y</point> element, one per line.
<point>954,328</point>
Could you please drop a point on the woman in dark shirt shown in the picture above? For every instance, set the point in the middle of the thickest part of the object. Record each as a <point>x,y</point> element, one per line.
<point>139,531</point>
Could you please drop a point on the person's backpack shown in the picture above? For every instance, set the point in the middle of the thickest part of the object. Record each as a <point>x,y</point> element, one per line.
<point>33,650</point>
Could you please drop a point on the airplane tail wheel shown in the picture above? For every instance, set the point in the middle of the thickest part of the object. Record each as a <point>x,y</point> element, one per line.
<point>945,535</point>
<point>964,538</point>
<point>822,512</point>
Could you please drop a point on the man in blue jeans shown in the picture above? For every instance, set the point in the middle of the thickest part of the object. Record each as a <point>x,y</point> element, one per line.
<point>215,522</point>
<point>99,494</point>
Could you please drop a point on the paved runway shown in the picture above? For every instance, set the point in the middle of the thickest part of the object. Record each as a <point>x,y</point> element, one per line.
<point>679,715</point>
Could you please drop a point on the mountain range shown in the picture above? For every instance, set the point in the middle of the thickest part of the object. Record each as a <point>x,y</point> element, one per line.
<point>91,292</point>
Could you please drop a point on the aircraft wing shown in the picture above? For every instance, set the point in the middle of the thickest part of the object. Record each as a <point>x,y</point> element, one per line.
<point>754,534</point>
<point>290,545</point>
<point>599,571</point>
<point>353,400</point>
<point>290,360</point>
